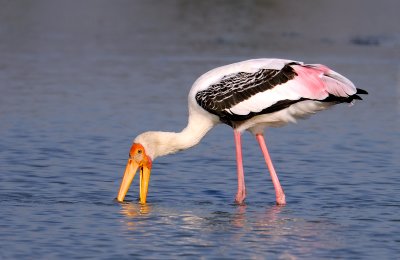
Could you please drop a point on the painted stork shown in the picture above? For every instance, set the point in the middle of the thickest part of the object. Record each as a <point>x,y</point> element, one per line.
<point>249,95</point>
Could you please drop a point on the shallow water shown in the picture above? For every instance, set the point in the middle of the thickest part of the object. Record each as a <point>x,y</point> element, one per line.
<point>79,81</point>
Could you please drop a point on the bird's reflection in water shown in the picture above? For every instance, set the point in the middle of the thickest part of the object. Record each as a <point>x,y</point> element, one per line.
<point>264,223</point>
<point>275,226</point>
<point>270,217</point>
<point>232,226</point>
<point>130,209</point>
<point>239,219</point>
<point>133,212</point>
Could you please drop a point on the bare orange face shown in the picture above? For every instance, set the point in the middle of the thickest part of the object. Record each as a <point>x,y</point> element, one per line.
<point>138,159</point>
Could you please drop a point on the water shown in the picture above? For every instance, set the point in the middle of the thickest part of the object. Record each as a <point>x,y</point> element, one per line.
<point>79,81</point>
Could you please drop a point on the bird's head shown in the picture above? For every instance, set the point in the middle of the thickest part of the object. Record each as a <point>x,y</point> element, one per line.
<point>138,160</point>
<point>146,147</point>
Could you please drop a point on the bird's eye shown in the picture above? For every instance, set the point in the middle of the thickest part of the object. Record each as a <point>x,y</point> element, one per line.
<point>139,151</point>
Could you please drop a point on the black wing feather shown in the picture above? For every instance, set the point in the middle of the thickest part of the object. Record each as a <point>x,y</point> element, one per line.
<point>235,88</point>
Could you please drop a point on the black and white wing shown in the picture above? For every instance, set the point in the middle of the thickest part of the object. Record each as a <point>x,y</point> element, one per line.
<point>242,95</point>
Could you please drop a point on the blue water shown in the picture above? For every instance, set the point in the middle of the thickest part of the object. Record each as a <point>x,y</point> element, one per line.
<point>78,81</point>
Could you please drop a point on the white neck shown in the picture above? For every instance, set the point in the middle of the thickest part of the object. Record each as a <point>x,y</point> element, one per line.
<point>162,143</point>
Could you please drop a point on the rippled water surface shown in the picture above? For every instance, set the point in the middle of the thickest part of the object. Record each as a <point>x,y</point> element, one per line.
<point>79,80</point>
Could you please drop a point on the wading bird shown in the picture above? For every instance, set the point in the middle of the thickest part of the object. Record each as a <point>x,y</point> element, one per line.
<point>249,95</point>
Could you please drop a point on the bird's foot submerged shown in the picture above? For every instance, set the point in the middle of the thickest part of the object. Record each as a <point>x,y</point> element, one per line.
<point>240,196</point>
<point>280,199</point>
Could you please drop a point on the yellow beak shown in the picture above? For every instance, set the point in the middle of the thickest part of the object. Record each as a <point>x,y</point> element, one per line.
<point>130,172</point>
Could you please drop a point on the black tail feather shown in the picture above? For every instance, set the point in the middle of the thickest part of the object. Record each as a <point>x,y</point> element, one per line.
<point>361,91</point>
<point>349,99</point>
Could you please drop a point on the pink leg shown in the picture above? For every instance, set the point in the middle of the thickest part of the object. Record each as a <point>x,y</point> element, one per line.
<point>280,196</point>
<point>241,192</point>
